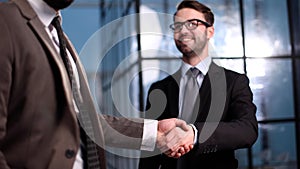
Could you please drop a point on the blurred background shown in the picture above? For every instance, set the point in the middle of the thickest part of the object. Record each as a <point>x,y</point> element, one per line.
<point>257,37</point>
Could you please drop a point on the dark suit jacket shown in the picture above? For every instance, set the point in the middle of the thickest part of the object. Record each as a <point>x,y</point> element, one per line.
<point>225,119</point>
<point>38,124</point>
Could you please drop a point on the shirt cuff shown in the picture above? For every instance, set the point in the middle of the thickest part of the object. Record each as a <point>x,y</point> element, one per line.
<point>149,135</point>
<point>195,133</point>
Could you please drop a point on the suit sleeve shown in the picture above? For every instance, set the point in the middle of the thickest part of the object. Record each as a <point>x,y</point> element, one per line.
<point>150,159</point>
<point>238,128</point>
<point>5,83</point>
<point>122,132</point>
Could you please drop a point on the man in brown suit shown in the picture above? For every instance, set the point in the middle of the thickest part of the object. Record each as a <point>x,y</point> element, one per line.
<point>39,127</point>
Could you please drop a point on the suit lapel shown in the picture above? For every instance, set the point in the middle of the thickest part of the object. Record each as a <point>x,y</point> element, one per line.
<point>173,90</point>
<point>55,56</point>
<point>205,95</point>
<point>216,76</point>
<point>89,113</point>
<point>39,29</point>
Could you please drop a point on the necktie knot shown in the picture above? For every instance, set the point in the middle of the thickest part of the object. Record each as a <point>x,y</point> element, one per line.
<point>56,22</point>
<point>193,72</point>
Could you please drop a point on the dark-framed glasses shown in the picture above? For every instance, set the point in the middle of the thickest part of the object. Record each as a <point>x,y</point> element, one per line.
<point>189,24</point>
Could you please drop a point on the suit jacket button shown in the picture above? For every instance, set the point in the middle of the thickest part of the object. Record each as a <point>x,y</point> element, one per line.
<point>69,153</point>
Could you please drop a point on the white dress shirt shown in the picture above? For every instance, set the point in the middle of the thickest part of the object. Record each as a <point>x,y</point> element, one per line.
<point>46,15</point>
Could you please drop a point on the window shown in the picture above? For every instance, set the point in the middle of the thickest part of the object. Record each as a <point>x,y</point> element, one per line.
<point>259,38</point>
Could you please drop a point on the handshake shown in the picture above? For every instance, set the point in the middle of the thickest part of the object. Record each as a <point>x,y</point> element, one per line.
<point>174,137</point>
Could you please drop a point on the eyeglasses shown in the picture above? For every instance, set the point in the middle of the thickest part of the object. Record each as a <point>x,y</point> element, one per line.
<point>189,24</point>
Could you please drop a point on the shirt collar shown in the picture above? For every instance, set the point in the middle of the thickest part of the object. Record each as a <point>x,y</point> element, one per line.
<point>203,66</point>
<point>44,11</point>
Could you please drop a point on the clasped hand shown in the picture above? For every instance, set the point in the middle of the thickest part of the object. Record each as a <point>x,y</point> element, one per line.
<point>174,137</point>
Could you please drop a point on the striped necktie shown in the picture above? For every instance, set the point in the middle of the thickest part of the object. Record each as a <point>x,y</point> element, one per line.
<point>92,154</point>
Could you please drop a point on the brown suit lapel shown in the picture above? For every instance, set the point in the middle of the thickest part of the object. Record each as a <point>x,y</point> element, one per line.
<point>56,63</point>
<point>39,28</point>
<point>88,115</point>
<point>89,108</point>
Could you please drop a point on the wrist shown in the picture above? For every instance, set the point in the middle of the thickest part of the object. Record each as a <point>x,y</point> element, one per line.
<point>195,133</point>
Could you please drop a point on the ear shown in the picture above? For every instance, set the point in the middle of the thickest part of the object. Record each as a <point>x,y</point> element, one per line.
<point>210,32</point>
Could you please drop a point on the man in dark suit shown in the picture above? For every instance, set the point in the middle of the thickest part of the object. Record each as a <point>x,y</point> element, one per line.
<point>222,114</point>
<point>41,115</point>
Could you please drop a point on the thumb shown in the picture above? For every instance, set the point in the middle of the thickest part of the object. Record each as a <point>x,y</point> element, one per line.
<point>182,124</point>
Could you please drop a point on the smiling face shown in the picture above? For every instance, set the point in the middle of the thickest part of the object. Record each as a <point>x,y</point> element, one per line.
<point>192,42</point>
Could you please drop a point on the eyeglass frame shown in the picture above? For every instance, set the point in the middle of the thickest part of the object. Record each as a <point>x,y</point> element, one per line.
<point>172,26</point>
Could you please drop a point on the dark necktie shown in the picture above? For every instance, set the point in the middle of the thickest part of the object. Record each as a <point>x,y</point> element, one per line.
<point>63,52</point>
<point>190,95</point>
<point>91,153</point>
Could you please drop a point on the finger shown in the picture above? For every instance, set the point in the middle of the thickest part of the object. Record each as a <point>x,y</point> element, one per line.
<point>167,146</point>
<point>170,153</point>
<point>177,155</point>
<point>172,140</point>
<point>182,150</point>
<point>173,144</point>
<point>186,147</point>
<point>174,155</point>
<point>164,149</point>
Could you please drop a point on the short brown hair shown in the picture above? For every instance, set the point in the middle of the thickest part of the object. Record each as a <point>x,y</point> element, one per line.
<point>193,4</point>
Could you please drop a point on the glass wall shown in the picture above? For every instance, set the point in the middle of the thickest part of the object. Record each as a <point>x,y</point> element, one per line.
<point>267,59</point>
<point>111,58</point>
<point>257,37</point>
<point>124,53</point>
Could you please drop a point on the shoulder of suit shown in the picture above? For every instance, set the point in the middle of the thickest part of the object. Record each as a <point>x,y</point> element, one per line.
<point>14,8</point>
<point>9,16</point>
<point>7,8</point>
<point>166,82</point>
<point>230,75</point>
<point>235,77</point>
<point>227,71</point>
<point>24,7</point>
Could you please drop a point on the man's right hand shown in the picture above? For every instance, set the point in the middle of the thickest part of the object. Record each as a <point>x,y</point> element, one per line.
<point>174,137</point>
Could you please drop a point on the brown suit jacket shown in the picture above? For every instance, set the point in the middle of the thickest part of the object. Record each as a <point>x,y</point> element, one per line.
<point>225,103</point>
<point>39,128</point>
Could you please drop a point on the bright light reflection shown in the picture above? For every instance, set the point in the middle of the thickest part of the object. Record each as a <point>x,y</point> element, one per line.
<point>258,47</point>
